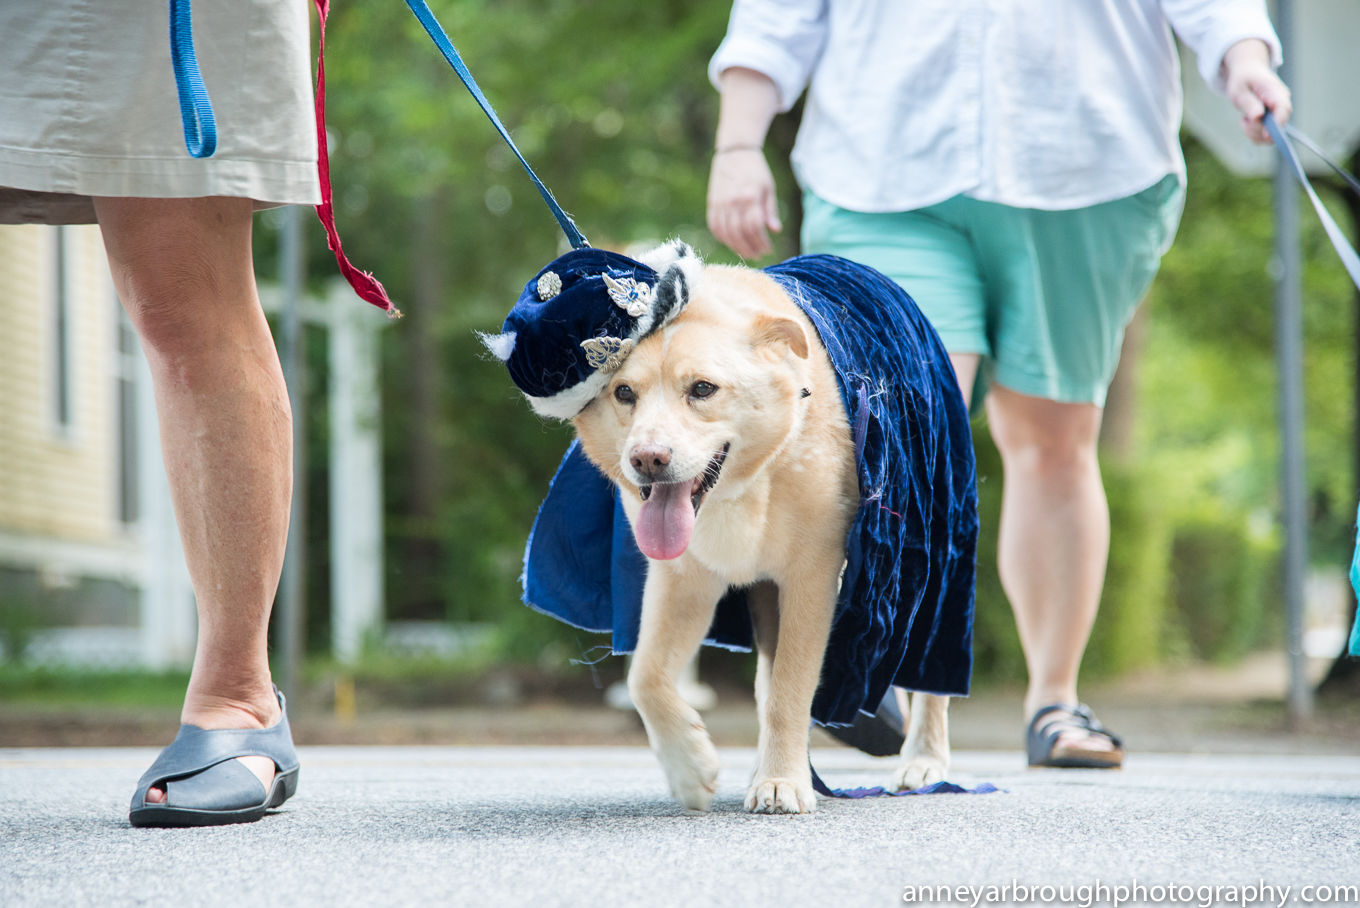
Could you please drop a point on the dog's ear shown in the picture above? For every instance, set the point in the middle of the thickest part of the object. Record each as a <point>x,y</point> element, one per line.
<point>773,331</point>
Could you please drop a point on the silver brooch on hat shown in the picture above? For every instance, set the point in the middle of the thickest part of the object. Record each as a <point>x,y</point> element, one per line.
<point>549,285</point>
<point>607,353</point>
<point>630,295</point>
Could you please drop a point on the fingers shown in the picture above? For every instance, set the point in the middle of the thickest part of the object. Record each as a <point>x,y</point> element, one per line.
<point>1253,112</point>
<point>1247,102</point>
<point>772,213</point>
<point>1252,86</point>
<point>741,203</point>
<point>751,223</point>
<point>1255,93</point>
<point>740,224</point>
<point>730,226</point>
<point>1264,93</point>
<point>1275,95</point>
<point>741,228</point>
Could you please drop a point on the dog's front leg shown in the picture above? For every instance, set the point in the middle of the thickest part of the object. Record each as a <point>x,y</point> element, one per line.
<point>783,778</point>
<point>677,610</point>
<point>925,753</point>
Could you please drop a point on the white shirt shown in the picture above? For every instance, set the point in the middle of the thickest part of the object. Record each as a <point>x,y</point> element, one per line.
<point>1051,104</point>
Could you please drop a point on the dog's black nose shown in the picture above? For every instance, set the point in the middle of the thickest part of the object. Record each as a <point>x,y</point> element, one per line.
<point>650,460</point>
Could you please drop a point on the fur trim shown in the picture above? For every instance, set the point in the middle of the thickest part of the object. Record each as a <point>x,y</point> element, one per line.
<point>663,256</point>
<point>671,294</point>
<point>567,403</point>
<point>500,345</point>
<point>678,266</point>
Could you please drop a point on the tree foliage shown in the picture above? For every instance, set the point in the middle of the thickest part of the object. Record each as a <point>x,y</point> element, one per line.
<point>610,102</point>
<point>1210,376</point>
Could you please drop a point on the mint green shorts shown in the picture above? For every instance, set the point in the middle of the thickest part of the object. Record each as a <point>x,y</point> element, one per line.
<point>1042,296</point>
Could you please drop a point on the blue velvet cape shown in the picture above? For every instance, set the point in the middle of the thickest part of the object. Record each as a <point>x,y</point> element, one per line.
<point>905,613</point>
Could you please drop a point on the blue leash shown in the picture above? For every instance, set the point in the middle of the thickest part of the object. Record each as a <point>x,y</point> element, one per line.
<point>195,108</point>
<point>1349,258</point>
<point>441,40</point>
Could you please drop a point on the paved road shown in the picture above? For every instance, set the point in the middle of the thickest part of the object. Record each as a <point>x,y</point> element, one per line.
<point>538,826</point>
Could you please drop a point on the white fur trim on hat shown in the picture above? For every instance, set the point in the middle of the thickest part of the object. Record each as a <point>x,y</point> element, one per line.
<point>500,345</point>
<point>567,403</point>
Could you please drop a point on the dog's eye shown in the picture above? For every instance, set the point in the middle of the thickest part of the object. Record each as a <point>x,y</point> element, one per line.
<point>625,395</point>
<point>701,389</point>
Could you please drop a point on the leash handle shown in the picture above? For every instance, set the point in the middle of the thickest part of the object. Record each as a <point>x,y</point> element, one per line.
<point>1349,258</point>
<point>441,39</point>
<point>195,107</point>
<point>368,288</point>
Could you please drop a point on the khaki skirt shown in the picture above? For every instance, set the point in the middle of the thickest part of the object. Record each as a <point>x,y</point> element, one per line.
<point>88,105</point>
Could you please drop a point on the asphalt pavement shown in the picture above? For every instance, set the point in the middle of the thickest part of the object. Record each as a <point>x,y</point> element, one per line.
<point>594,826</point>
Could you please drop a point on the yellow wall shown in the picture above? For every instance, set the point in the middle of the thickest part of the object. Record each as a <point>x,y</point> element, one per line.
<point>54,482</point>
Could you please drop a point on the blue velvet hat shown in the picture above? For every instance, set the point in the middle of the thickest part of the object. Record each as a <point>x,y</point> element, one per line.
<point>579,317</point>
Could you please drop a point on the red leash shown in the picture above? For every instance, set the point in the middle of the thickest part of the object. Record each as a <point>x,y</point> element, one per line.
<point>365,284</point>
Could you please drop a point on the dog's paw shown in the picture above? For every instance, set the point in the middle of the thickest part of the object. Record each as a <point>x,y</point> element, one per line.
<point>918,772</point>
<point>781,796</point>
<point>692,772</point>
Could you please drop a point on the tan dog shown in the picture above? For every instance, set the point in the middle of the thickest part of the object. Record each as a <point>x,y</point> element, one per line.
<point>727,437</point>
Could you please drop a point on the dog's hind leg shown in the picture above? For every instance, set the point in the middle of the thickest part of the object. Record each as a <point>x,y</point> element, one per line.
<point>783,778</point>
<point>677,609</point>
<point>925,753</point>
<point>762,600</point>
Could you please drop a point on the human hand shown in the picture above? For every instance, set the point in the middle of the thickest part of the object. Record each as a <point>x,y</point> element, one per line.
<point>1253,88</point>
<point>741,201</point>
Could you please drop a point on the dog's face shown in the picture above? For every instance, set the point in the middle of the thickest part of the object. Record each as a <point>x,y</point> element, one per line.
<point>699,408</point>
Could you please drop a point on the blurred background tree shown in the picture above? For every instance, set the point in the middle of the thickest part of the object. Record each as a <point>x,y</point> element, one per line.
<point>610,102</point>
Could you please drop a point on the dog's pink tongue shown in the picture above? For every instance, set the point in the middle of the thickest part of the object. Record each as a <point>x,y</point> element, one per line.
<point>666,522</point>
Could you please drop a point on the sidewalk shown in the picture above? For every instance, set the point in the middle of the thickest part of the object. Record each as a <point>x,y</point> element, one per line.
<point>574,826</point>
<point>436,809</point>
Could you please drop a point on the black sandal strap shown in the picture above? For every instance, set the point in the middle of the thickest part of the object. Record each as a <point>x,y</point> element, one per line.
<point>1041,735</point>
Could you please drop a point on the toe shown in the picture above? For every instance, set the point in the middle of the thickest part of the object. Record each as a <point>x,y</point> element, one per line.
<point>780,796</point>
<point>1085,741</point>
<point>918,774</point>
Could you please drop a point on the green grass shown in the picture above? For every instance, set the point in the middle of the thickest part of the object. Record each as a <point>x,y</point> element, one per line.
<point>36,687</point>
<point>67,687</point>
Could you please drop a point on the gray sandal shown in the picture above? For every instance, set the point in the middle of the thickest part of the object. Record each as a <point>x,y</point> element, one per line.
<point>205,786</point>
